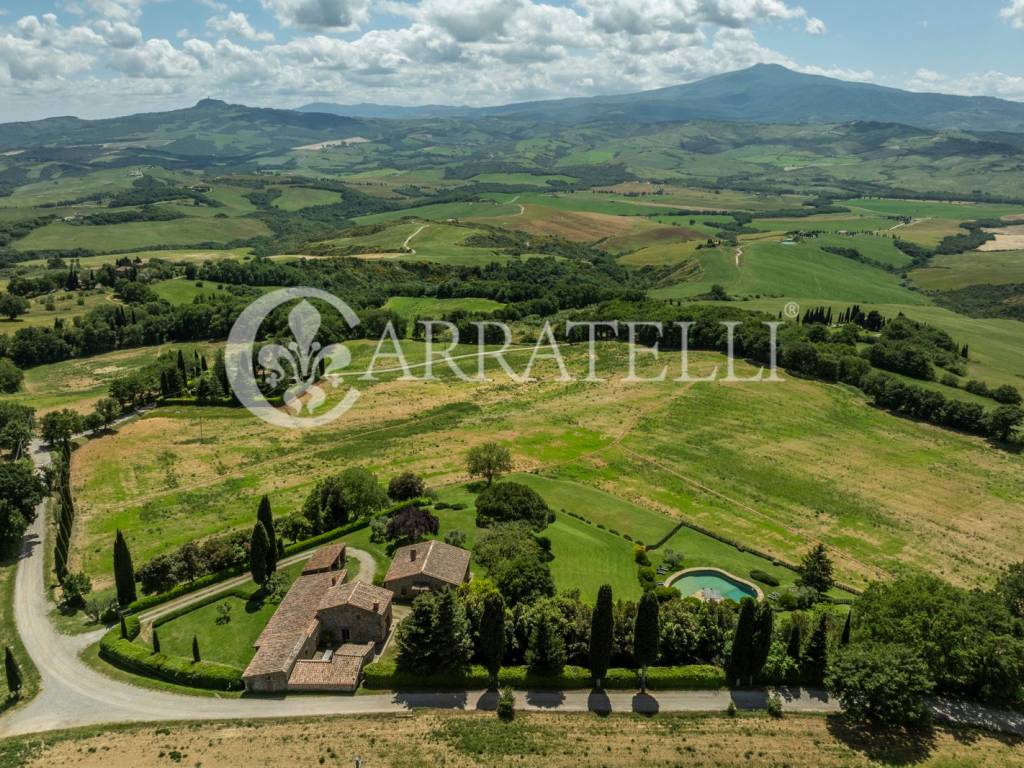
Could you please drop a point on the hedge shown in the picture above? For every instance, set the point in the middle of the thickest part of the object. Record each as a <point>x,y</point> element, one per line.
<point>383,675</point>
<point>136,658</point>
<point>151,601</point>
<point>764,578</point>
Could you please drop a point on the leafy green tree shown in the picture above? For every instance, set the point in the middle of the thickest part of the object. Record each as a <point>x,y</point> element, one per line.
<point>208,389</point>
<point>107,409</point>
<point>414,637</point>
<point>601,627</point>
<point>645,635</point>
<point>511,502</point>
<point>12,306</point>
<point>545,654</point>
<point>882,683</point>
<point>411,524</point>
<point>13,671</point>
<point>1010,588</point>
<point>259,549</point>
<point>58,427</point>
<point>11,375</point>
<point>405,486</point>
<point>21,490</point>
<point>816,569</point>
<point>75,587</point>
<point>523,579</point>
<point>492,634</point>
<point>1004,420</point>
<point>265,516</point>
<point>124,571</point>
<point>337,499</point>
<point>488,461</point>
<point>815,658</point>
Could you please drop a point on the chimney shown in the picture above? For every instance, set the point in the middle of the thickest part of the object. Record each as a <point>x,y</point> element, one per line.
<point>376,606</point>
<point>334,580</point>
<point>412,554</point>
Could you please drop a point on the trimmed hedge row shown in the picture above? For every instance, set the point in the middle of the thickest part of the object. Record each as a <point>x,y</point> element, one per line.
<point>242,594</point>
<point>764,578</point>
<point>136,658</point>
<point>383,675</point>
<point>151,601</point>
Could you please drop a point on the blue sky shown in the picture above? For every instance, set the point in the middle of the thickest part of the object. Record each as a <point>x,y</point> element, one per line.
<point>96,58</point>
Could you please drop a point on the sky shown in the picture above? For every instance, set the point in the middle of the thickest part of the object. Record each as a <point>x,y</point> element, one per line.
<point>99,58</point>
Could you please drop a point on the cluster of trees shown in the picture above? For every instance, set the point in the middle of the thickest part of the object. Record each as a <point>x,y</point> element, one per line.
<point>334,500</point>
<point>510,502</point>
<point>451,629</point>
<point>192,560</point>
<point>516,559</point>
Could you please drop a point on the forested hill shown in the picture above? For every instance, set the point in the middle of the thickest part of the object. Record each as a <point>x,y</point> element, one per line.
<point>765,93</point>
<point>211,128</point>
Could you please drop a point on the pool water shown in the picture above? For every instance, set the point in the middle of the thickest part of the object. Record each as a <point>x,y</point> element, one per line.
<point>714,585</point>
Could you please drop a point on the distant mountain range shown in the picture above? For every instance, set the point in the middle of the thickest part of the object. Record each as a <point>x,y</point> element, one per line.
<point>765,93</point>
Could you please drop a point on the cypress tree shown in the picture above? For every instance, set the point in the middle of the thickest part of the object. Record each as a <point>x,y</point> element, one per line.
<point>743,639</point>
<point>258,554</point>
<point>195,649</point>
<point>13,671</point>
<point>601,623</point>
<point>793,647</point>
<point>816,656</point>
<point>546,652</point>
<point>124,572</point>
<point>844,640</point>
<point>761,643</point>
<point>265,516</point>
<point>645,634</point>
<point>156,641</point>
<point>492,635</point>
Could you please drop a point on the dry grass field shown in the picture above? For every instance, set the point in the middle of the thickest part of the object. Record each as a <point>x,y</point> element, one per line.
<point>775,466</point>
<point>464,740</point>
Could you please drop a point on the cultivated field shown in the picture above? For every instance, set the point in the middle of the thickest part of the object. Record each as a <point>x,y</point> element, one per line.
<point>462,739</point>
<point>775,467</point>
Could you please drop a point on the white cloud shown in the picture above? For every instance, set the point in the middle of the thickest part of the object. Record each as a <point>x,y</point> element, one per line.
<point>1014,13</point>
<point>154,59</point>
<point>991,83</point>
<point>119,34</point>
<point>815,26</point>
<point>320,14</point>
<point>237,24</point>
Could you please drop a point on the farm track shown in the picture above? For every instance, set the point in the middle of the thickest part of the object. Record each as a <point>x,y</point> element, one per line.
<point>405,245</point>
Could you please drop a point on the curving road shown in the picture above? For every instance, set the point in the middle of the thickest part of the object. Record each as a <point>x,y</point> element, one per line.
<point>73,694</point>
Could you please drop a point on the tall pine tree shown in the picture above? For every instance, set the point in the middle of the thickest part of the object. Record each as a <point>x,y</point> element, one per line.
<point>265,516</point>
<point>258,548</point>
<point>13,672</point>
<point>492,635</point>
<point>601,625</point>
<point>124,571</point>
<point>646,634</point>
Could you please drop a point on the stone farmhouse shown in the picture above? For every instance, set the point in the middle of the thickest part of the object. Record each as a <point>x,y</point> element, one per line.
<point>426,566</point>
<point>323,632</point>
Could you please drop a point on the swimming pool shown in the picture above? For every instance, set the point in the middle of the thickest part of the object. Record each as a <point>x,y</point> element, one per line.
<point>713,584</point>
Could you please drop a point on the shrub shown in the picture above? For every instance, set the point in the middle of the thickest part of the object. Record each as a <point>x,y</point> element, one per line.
<point>731,709</point>
<point>136,658</point>
<point>640,555</point>
<point>764,578</point>
<point>774,705</point>
<point>456,538</point>
<point>507,704</point>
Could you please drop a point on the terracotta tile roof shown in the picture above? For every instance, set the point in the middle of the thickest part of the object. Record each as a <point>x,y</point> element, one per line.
<point>325,557</point>
<point>342,671</point>
<point>358,594</point>
<point>432,558</point>
<point>293,621</point>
